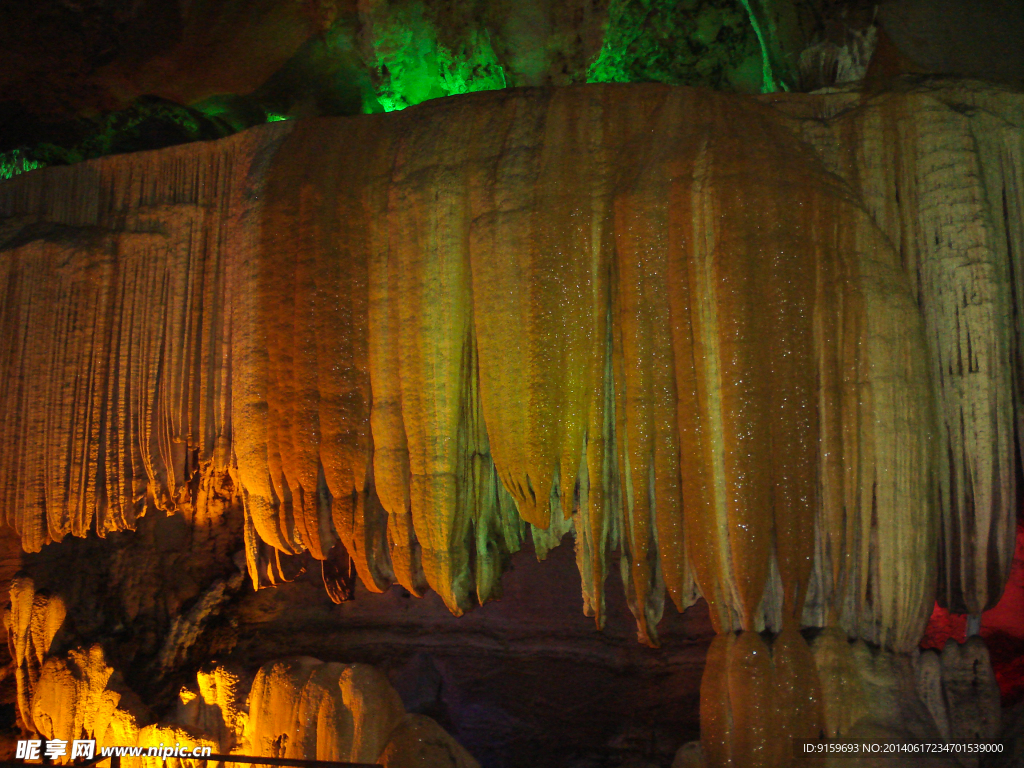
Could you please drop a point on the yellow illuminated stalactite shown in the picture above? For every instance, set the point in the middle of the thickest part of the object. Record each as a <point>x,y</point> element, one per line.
<point>646,435</point>
<point>341,304</point>
<point>391,449</point>
<point>502,193</point>
<point>314,278</point>
<point>428,221</point>
<point>744,339</point>
<point>22,395</point>
<point>791,249</point>
<point>837,312</point>
<point>743,294</point>
<point>597,521</point>
<point>698,377</point>
<point>496,526</point>
<point>534,274</point>
<point>287,319</point>
<point>150,343</point>
<point>114,405</point>
<point>566,319</point>
<point>651,300</point>
<point>119,491</point>
<point>539,288</point>
<point>640,322</point>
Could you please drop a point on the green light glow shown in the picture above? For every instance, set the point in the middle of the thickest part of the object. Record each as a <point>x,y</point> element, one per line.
<point>15,162</point>
<point>413,66</point>
<point>708,43</point>
<point>274,117</point>
<point>768,84</point>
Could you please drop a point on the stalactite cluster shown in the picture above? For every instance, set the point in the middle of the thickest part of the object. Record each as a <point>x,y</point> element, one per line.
<point>940,172</point>
<point>116,373</point>
<point>649,316</point>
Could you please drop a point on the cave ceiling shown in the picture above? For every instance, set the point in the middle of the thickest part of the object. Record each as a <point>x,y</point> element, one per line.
<point>617,383</point>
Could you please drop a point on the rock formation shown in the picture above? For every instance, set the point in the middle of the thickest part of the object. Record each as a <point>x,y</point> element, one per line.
<point>762,351</point>
<point>301,707</point>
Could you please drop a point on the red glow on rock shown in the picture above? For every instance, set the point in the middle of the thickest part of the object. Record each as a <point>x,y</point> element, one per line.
<point>943,626</point>
<point>1002,627</point>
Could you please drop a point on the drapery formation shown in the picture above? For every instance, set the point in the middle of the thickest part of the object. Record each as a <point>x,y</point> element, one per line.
<point>650,316</point>
<point>940,171</point>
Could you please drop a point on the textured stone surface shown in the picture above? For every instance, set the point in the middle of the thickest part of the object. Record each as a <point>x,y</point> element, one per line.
<point>233,385</point>
<point>429,340</point>
<point>939,169</point>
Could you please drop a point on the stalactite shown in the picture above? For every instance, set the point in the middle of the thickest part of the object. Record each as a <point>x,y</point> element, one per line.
<point>646,442</point>
<point>122,365</point>
<point>938,170</point>
<point>427,259</point>
<point>648,316</point>
<point>314,275</point>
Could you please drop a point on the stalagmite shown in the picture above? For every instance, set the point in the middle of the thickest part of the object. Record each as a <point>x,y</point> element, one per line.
<point>297,708</point>
<point>970,691</point>
<point>216,706</point>
<point>33,623</point>
<point>756,700</point>
<point>419,742</point>
<point>751,691</point>
<point>303,708</point>
<point>716,724</point>
<point>81,697</point>
<point>797,697</point>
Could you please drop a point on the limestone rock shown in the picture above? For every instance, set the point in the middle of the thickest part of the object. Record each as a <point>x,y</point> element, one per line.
<point>81,697</point>
<point>939,170</point>
<point>726,334</point>
<point>1012,738</point>
<point>306,709</point>
<point>870,686</point>
<point>217,707</point>
<point>33,623</point>
<point>970,690</point>
<point>297,708</point>
<point>689,756</point>
<point>157,735</point>
<point>419,742</point>
<point>928,674</point>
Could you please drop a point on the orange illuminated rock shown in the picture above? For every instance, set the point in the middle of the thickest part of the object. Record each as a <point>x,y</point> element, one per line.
<point>652,317</point>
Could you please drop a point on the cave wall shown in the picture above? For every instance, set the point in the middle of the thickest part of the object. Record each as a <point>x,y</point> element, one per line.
<point>406,347</point>
<point>227,381</point>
